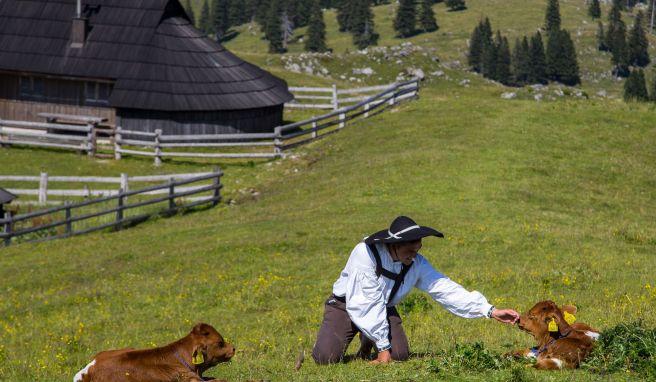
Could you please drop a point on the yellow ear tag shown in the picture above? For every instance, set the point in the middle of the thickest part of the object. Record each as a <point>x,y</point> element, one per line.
<point>553,327</point>
<point>569,318</point>
<point>197,358</point>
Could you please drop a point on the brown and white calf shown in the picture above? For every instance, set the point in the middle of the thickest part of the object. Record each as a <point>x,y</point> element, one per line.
<point>561,344</point>
<point>182,360</point>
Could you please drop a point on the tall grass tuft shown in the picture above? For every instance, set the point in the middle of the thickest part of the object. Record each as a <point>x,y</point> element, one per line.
<point>627,348</point>
<point>467,357</point>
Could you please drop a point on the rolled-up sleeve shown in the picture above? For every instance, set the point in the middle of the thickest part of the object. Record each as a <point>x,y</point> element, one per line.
<point>365,302</point>
<point>452,296</point>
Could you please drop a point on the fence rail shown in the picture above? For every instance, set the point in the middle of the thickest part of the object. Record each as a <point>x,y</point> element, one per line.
<point>60,222</point>
<point>45,181</point>
<point>358,103</point>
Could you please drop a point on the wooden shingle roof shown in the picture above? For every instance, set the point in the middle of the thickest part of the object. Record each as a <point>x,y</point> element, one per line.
<point>157,59</point>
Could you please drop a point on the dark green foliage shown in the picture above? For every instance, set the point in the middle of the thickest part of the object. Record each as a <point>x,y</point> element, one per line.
<point>427,21</point>
<point>635,88</point>
<point>538,60</point>
<point>638,43</point>
<point>552,17</point>
<point>345,10</point>
<point>601,38</point>
<point>594,10</point>
<point>205,22</point>
<point>362,24</point>
<point>502,69</point>
<point>521,62</point>
<point>489,61</point>
<point>221,20</point>
<point>456,5</point>
<point>481,37</point>
<point>273,27</point>
<point>467,357</point>
<point>316,34</point>
<point>406,19</point>
<point>625,348</point>
<point>618,48</point>
<point>652,88</point>
<point>562,65</point>
<point>190,12</point>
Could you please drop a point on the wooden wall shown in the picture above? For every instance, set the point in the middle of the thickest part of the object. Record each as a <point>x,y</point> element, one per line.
<point>202,122</point>
<point>28,111</point>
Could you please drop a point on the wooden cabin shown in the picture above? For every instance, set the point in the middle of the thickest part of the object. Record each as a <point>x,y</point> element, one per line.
<point>138,63</point>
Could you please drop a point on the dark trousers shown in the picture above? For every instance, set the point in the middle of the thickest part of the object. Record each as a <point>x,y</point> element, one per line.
<point>337,331</point>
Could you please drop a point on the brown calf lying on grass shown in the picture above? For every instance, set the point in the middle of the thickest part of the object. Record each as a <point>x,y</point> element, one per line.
<point>183,360</point>
<point>561,342</point>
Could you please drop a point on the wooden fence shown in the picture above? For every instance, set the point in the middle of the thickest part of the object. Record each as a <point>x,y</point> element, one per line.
<point>262,145</point>
<point>44,191</point>
<point>74,219</point>
<point>61,131</point>
<point>329,98</point>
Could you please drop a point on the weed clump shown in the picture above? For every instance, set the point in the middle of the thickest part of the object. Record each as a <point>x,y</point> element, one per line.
<point>469,357</point>
<point>627,348</point>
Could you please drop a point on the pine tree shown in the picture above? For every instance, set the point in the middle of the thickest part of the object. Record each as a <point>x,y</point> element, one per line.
<point>475,49</point>
<point>238,12</point>
<point>221,18</point>
<point>538,60</point>
<point>502,69</point>
<point>362,25</point>
<point>489,61</point>
<point>316,39</point>
<point>273,28</point>
<point>521,62</point>
<point>594,10</point>
<point>552,17</point>
<point>635,88</point>
<point>190,12</point>
<point>619,50</point>
<point>427,17</point>
<point>638,43</point>
<point>205,21</point>
<point>456,5</point>
<point>601,38</point>
<point>345,10</point>
<point>562,65</point>
<point>406,19</point>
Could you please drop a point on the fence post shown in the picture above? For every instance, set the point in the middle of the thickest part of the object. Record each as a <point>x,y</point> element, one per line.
<point>117,143</point>
<point>124,183</point>
<point>91,138</point>
<point>335,101</point>
<point>366,110</point>
<point>277,142</point>
<point>392,99</point>
<point>314,127</point>
<point>8,228</point>
<point>217,182</point>
<point>171,193</point>
<point>119,212</point>
<point>158,150</point>
<point>69,224</point>
<point>342,118</point>
<point>43,189</point>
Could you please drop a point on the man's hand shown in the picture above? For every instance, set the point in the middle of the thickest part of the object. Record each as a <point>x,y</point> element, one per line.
<point>383,357</point>
<point>507,316</point>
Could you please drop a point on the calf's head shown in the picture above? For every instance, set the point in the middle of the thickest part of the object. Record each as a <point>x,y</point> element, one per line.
<point>209,347</point>
<point>545,318</point>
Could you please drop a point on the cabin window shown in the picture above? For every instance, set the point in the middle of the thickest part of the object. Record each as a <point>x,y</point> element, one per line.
<point>31,88</point>
<point>97,93</point>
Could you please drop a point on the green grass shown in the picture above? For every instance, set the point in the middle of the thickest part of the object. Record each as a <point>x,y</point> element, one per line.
<point>537,200</point>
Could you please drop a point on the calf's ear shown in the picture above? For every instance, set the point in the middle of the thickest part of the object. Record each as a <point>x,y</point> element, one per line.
<point>571,309</point>
<point>201,329</point>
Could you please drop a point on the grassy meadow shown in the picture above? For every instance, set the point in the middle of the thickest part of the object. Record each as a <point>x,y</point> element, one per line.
<point>537,200</point>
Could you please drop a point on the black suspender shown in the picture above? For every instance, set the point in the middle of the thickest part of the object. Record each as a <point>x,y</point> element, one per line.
<point>397,277</point>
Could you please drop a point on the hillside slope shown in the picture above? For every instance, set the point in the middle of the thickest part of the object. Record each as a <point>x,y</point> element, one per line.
<point>537,200</point>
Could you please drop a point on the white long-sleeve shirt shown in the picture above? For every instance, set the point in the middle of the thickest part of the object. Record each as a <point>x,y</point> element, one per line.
<point>367,295</point>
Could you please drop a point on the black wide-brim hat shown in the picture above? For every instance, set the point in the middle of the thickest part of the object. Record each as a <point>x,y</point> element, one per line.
<point>402,229</point>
